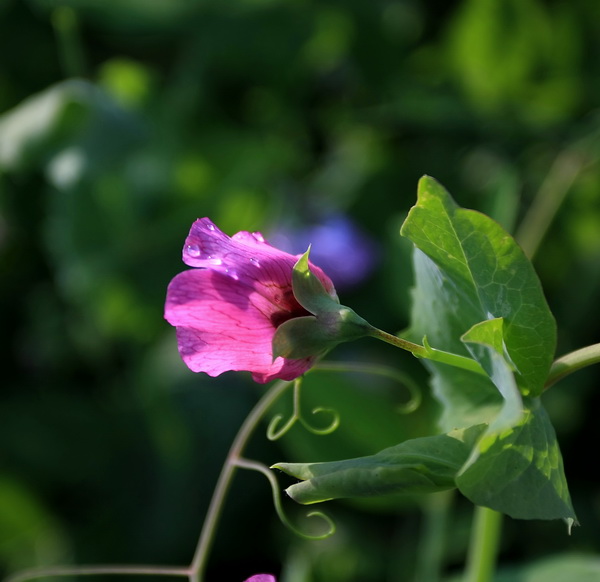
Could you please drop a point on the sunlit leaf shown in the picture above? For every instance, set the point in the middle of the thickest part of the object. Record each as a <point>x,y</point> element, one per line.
<point>478,273</point>
<point>485,341</point>
<point>477,294</point>
<point>520,471</point>
<point>516,467</point>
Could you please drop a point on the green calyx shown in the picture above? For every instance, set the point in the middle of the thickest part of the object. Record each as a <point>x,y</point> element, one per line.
<point>330,323</point>
<point>308,289</point>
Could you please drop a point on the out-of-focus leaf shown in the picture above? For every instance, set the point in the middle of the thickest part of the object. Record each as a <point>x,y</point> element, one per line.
<point>159,15</point>
<point>580,567</point>
<point>42,123</point>
<point>74,127</point>
<point>542,39</point>
<point>128,81</point>
<point>29,534</point>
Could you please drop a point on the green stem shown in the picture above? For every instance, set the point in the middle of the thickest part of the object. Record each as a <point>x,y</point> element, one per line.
<point>66,27</point>
<point>427,352</point>
<point>484,545</point>
<point>199,561</point>
<point>98,571</point>
<point>566,168</point>
<point>572,362</point>
<point>430,553</point>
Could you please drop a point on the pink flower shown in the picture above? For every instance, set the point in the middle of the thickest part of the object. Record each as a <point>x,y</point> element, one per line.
<point>261,578</point>
<point>227,310</point>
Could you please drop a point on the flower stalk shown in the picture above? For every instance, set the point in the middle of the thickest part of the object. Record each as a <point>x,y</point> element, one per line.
<point>232,462</point>
<point>427,352</point>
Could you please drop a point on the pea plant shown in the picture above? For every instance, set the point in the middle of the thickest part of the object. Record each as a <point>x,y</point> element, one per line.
<point>479,324</point>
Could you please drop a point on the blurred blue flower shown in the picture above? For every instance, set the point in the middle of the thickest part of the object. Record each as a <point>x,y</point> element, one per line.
<point>339,246</point>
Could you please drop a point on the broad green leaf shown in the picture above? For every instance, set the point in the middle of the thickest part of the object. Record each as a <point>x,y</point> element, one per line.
<point>440,314</point>
<point>519,471</point>
<point>477,272</point>
<point>523,441</point>
<point>422,465</point>
<point>476,293</point>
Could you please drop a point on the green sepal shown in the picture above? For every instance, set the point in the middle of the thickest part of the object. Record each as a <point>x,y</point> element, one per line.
<point>311,335</point>
<point>329,324</point>
<point>308,289</point>
<point>300,337</point>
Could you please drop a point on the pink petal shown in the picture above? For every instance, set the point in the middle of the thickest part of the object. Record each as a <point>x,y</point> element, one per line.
<point>288,370</point>
<point>261,578</point>
<point>227,311</point>
<point>223,324</point>
<point>245,256</point>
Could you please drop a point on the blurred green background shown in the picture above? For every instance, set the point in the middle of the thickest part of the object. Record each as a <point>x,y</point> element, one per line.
<point>122,121</point>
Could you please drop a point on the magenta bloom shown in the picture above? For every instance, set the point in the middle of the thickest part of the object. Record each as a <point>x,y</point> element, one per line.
<point>261,578</point>
<point>226,311</point>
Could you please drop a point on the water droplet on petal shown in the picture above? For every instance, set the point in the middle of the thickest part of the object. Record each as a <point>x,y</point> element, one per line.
<point>232,273</point>
<point>255,261</point>
<point>211,260</point>
<point>193,250</point>
<point>210,226</point>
